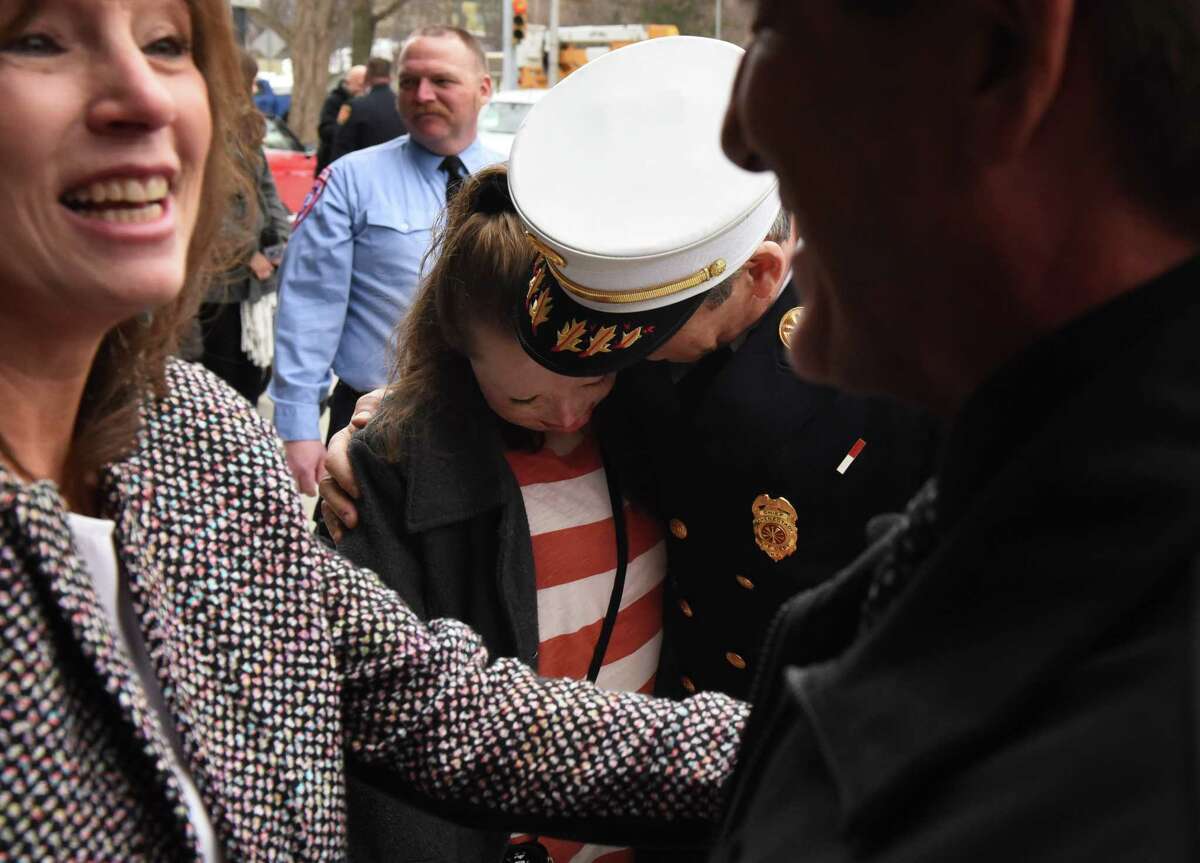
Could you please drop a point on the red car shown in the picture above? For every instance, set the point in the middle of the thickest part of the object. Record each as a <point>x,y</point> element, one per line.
<point>291,164</point>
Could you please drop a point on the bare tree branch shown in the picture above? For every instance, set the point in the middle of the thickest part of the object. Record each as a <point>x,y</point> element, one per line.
<point>313,41</point>
<point>265,18</point>
<point>390,7</point>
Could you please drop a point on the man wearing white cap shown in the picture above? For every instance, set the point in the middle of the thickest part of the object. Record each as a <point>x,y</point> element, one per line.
<point>655,246</point>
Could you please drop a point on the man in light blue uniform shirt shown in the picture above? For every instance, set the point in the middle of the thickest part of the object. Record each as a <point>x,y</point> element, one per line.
<point>354,260</point>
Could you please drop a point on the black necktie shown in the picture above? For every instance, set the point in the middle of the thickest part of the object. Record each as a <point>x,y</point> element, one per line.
<point>910,545</point>
<point>455,172</point>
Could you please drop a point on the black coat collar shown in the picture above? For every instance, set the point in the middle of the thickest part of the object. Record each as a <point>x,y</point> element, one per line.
<point>454,461</point>
<point>1062,542</point>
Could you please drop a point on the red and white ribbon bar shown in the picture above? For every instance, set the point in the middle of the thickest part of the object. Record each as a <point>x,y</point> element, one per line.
<point>854,453</point>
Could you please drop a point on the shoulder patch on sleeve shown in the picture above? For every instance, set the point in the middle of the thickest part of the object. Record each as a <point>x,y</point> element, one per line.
<point>314,195</point>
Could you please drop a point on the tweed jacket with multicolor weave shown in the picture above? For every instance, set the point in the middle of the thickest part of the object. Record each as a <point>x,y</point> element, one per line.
<point>276,658</point>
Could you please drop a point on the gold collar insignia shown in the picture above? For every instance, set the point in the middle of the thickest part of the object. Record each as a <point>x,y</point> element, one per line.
<point>788,324</point>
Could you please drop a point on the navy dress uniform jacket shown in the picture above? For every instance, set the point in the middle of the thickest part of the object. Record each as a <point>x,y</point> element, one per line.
<point>743,426</point>
<point>1033,693</point>
<point>374,119</point>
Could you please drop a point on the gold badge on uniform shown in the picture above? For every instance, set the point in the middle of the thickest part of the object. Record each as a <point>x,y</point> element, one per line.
<point>788,324</point>
<point>774,526</point>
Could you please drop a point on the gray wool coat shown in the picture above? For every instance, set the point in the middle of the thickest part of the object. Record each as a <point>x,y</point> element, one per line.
<point>445,528</point>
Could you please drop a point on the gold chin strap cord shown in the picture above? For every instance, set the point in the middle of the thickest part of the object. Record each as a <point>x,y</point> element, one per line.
<point>545,251</point>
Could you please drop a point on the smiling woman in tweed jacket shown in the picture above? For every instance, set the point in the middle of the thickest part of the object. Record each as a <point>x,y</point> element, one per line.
<point>182,668</point>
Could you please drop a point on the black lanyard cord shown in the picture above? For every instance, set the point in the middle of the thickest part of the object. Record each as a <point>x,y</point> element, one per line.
<point>614,601</point>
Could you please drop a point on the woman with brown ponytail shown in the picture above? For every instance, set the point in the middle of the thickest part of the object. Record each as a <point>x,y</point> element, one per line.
<point>488,496</point>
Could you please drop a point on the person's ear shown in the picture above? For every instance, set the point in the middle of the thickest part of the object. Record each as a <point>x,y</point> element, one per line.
<point>766,269</point>
<point>485,90</point>
<point>1023,51</point>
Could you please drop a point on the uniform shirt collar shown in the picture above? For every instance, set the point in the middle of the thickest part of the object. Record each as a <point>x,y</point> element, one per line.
<point>475,157</point>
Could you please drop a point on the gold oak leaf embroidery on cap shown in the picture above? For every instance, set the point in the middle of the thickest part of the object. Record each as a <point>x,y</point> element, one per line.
<point>628,340</point>
<point>570,335</point>
<point>539,309</point>
<point>599,342</point>
<point>539,275</point>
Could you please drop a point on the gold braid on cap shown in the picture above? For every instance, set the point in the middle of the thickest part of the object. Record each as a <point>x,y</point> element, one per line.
<point>639,295</point>
<point>556,263</point>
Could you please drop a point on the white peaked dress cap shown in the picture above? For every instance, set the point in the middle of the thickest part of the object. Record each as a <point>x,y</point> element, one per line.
<point>618,172</point>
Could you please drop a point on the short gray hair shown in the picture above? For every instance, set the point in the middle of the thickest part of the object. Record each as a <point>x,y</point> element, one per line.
<point>780,232</point>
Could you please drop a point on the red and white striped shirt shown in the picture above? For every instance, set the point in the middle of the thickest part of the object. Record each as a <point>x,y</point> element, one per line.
<point>575,558</point>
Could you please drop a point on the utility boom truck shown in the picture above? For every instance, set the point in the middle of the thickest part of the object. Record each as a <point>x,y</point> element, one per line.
<point>577,45</point>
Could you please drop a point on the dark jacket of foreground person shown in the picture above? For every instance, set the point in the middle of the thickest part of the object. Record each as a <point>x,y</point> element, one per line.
<point>1032,695</point>
<point>276,659</point>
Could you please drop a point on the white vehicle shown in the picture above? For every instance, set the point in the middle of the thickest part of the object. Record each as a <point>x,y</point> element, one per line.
<point>502,117</point>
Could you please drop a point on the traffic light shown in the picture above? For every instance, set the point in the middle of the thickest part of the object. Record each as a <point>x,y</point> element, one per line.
<point>519,7</point>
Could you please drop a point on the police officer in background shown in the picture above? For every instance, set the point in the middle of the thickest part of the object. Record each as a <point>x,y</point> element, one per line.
<point>327,127</point>
<point>372,118</point>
